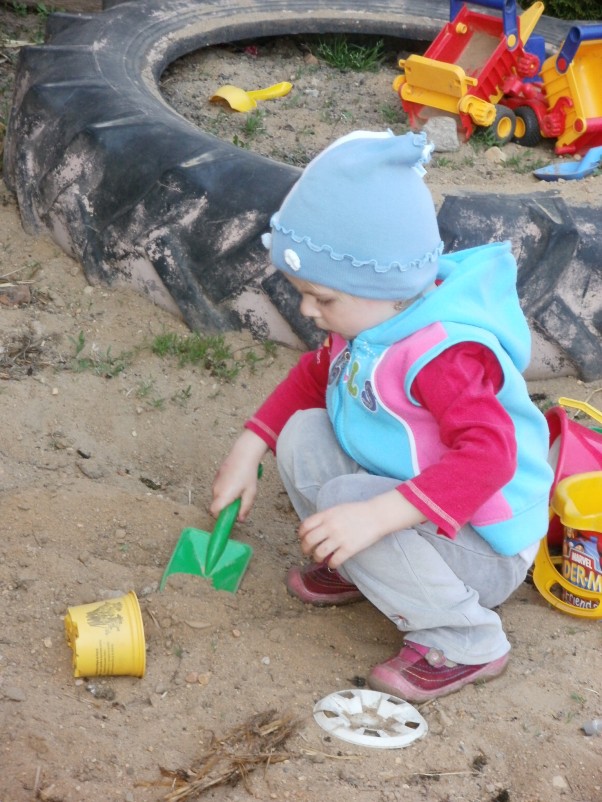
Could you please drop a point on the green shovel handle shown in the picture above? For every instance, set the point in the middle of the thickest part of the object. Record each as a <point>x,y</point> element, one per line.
<point>220,534</point>
<point>221,531</point>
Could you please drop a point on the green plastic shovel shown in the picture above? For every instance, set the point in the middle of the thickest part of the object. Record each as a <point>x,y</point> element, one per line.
<point>212,555</point>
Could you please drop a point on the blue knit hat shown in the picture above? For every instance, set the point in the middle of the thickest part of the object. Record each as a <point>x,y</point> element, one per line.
<point>360,219</point>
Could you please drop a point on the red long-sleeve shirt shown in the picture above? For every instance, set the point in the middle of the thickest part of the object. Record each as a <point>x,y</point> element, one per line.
<point>458,387</point>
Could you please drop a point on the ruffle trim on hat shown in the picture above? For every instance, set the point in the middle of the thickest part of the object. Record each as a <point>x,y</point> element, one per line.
<point>430,257</point>
<point>424,158</point>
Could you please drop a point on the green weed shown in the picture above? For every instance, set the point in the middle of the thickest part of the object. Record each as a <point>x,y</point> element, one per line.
<point>43,11</point>
<point>212,353</point>
<point>253,123</point>
<point>483,138</point>
<point>145,388</point>
<point>99,362</point>
<point>345,55</point>
<point>19,8</point>
<point>182,397</point>
<point>145,392</point>
<point>390,113</point>
<point>523,163</point>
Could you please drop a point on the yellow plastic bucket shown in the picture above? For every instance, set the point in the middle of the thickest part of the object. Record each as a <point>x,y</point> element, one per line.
<point>577,501</point>
<point>107,638</point>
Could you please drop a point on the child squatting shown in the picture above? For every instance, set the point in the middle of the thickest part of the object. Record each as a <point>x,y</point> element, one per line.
<point>407,443</point>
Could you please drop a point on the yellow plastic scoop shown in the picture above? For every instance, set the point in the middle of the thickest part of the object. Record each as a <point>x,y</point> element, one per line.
<point>240,100</point>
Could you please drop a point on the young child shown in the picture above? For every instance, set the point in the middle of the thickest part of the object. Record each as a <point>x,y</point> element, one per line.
<point>407,443</point>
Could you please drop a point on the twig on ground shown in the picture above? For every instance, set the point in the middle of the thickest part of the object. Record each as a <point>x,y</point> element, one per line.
<point>231,759</point>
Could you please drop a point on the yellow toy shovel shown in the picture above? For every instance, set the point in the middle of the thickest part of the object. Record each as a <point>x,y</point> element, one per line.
<point>583,406</point>
<point>240,100</point>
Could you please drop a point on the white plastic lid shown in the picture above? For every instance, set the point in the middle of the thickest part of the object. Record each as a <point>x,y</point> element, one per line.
<point>370,718</point>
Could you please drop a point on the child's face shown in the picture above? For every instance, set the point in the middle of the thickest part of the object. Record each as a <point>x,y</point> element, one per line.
<point>332,310</point>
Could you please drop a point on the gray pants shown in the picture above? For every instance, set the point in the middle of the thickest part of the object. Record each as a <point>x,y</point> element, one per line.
<point>438,590</point>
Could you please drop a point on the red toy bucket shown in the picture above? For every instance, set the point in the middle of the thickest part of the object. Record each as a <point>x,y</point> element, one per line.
<point>574,448</point>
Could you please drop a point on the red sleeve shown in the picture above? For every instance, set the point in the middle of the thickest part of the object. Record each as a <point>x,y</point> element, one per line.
<point>459,388</point>
<point>303,388</point>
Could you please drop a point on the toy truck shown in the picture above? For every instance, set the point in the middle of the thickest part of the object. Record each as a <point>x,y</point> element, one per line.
<point>567,104</point>
<point>470,66</point>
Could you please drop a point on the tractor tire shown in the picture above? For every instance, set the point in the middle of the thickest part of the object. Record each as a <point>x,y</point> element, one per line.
<point>140,196</point>
<point>527,131</point>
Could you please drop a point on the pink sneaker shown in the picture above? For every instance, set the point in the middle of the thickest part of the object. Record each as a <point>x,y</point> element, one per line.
<point>320,585</point>
<point>418,673</point>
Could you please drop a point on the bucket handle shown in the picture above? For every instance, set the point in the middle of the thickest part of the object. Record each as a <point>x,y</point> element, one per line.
<point>583,406</point>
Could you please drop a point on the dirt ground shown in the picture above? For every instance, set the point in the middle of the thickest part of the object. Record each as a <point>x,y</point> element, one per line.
<point>108,453</point>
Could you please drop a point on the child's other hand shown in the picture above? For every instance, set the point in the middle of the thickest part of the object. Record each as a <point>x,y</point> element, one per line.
<point>237,475</point>
<point>341,532</point>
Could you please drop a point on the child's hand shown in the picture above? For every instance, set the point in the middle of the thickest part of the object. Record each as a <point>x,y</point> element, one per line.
<point>340,532</point>
<point>237,475</point>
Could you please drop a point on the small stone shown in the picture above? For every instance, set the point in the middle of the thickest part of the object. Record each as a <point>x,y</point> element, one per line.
<point>495,155</point>
<point>236,633</point>
<point>191,677</point>
<point>265,660</point>
<point>558,781</point>
<point>199,625</point>
<point>443,131</point>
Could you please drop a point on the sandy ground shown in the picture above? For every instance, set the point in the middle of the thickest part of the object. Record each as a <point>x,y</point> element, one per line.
<point>108,453</point>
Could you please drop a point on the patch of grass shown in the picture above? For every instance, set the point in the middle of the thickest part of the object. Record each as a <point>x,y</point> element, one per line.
<point>145,388</point>
<point>43,11</point>
<point>181,397</point>
<point>253,123</point>
<point>523,163</point>
<point>211,352</point>
<point>145,391</point>
<point>483,138</point>
<point>346,55</point>
<point>19,8</point>
<point>391,113</point>
<point>101,363</point>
